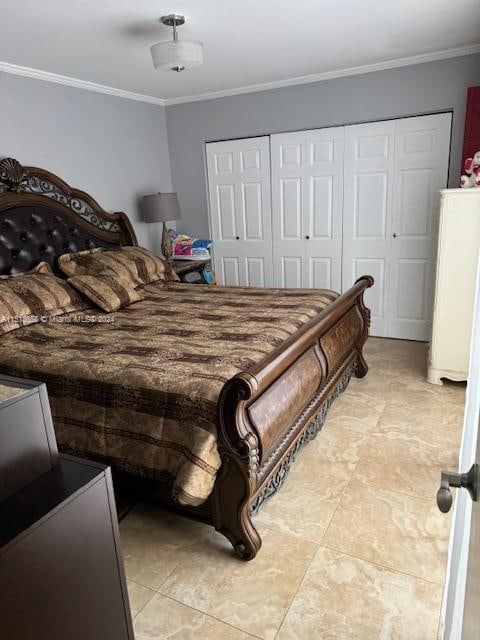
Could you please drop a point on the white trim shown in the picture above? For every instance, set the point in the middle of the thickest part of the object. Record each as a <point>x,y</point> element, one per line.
<point>38,74</point>
<point>330,75</point>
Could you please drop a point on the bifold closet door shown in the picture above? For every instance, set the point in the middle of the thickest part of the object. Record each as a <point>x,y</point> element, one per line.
<point>307,201</point>
<point>240,211</point>
<point>393,172</point>
<point>422,147</point>
<point>368,199</point>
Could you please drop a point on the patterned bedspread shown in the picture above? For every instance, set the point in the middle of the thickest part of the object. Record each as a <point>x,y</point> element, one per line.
<point>140,390</point>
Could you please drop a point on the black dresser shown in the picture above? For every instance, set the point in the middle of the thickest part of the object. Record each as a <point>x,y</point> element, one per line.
<point>61,568</point>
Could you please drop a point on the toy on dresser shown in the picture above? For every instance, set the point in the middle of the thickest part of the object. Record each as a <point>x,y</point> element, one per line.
<point>472,171</point>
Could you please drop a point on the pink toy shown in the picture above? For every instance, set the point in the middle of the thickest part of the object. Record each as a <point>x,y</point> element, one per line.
<point>472,171</point>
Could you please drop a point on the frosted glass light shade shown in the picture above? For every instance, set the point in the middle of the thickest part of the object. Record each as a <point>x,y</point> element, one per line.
<point>177,53</point>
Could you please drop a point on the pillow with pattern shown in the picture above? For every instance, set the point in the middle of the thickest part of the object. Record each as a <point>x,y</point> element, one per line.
<point>74,264</point>
<point>136,265</point>
<point>33,296</point>
<point>106,290</point>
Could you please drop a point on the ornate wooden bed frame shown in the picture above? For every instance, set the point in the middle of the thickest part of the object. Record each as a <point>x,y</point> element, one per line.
<point>265,414</point>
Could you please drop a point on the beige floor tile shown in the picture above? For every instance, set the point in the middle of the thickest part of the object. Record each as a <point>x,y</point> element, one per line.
<point>306,503</point>
<point>408,466</point>
<point>355,410</point>
<point>252,596</point>
<point>335,444</point>
<point>138,596</point>
<point>164,618</point>
<point>424,423</point>
<point>385,445</point>
<point>392,529</point>
<point>153,541</point>
<point>343,598</point>
<point>413,479</point>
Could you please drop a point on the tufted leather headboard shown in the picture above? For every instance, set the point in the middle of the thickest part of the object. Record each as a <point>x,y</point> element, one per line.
<point>41,218</point>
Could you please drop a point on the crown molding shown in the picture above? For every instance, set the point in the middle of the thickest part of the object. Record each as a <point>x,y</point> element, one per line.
<point>46,76</point>
<point>38,74</point>
<point>330,75</point>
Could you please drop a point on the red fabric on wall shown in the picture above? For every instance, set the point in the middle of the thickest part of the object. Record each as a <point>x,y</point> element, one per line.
<point>471,137</point>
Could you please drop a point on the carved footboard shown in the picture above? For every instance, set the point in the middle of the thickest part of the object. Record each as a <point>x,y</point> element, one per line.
<point>268,413</point>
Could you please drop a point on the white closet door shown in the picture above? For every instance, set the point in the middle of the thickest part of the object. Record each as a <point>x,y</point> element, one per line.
<point>240,211</point>
<point>393,172</point>
<point>368,192</point>
<point>421,170</point>
<point>307,200</point>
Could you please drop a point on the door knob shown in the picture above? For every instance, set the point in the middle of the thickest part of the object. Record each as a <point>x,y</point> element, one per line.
<point>307,237</point>
<point>468,481</point>
<point>237,238</point>
<point>394,234</point>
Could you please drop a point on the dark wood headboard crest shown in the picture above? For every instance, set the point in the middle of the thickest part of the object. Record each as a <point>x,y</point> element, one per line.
<point>18,179</point>
<point>41,216</point>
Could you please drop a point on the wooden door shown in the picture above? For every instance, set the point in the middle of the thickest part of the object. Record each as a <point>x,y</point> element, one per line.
<point>240,211</point>
<point>307,201</point>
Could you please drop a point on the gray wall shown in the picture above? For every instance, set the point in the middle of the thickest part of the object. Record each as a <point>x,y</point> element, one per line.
<point>414,90</point>
<point>115,149</point>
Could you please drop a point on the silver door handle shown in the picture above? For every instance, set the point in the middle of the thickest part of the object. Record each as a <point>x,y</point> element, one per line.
<point>468,481</point>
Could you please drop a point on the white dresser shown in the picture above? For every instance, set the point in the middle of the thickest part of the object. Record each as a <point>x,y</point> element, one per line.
<point>458,252</point>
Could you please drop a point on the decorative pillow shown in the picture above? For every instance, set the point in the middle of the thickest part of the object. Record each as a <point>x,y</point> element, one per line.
<point>131,264</point>
<point>150,267</point>
<point>77,263</point>
<point>30,297</point>
<point>106,290</point>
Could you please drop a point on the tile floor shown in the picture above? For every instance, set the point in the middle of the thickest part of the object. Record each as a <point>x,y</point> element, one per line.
<point>353,545</point>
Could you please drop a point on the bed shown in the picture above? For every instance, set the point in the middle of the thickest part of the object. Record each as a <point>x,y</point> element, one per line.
<point>208,393</point>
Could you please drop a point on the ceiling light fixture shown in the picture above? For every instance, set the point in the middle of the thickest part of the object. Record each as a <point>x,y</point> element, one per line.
<point>176,55</point>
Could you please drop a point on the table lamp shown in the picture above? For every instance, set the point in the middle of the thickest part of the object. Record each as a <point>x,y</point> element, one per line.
<point>162,207</point>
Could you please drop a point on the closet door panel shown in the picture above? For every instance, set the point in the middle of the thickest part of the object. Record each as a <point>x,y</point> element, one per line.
<point>375,297</point>
<point>320,197</point>
<point>225,219</point>
<point>287,157</point>
<point>324,207</point>
<point>421,170</point>
<point>320,273</point>
<point>368,193</point>
<point>291,217</point>
<point>307,199</point>
<point>252,210</point>
<point>240,211</point>
<point>291,274</point>
<point>228,270</point>
<point>255,272</point>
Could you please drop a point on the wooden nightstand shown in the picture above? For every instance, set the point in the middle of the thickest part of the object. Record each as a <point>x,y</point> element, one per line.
<point>191,270</point>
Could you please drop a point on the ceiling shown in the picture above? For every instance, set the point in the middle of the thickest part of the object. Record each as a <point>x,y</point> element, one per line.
<point>247,42</point>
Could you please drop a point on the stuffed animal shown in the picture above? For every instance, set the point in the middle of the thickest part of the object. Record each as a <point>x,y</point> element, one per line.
<point>472,170</point>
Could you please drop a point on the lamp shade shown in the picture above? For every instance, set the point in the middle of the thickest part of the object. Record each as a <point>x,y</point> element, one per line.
<point>160,207</point>
<point>177,54</point>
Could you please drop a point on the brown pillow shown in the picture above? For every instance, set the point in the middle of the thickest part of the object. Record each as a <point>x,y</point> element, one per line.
<point>106,290</point>
<point>77,263</point>
<point>150,267</point>
<point>29,297</point>
<point>131,264</point>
